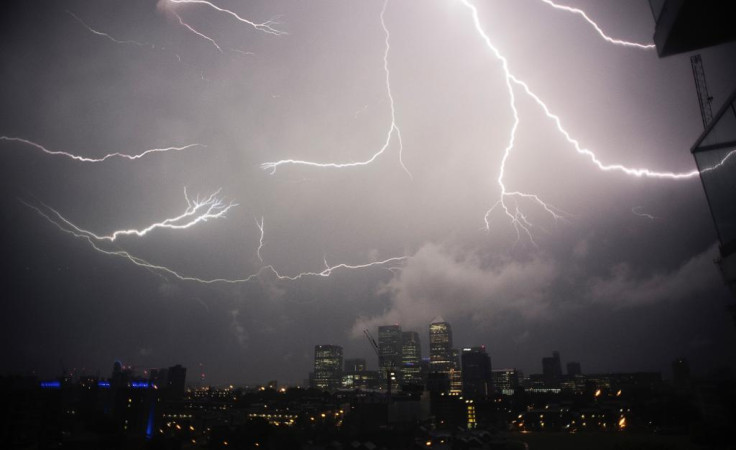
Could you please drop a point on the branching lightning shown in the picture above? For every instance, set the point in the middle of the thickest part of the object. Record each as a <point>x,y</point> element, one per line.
<point>197,32</point>
<point>64,225</point>
<point>393,128</point>
<point>96,160</point>
<point>508,200</point>
<point>198,211</point>
<point>266,27</point>
<point>597,28</point>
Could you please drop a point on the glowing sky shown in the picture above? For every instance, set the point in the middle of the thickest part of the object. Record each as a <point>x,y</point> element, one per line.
<point>622,280</point>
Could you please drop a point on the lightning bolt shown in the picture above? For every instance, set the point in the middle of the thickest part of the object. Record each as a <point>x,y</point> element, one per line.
<point>266,27</point>
<point>720,163</point>
<point>637,212</point>
<point>197,211</point>
<point>508,201</point>
<point>105,35</point>
<point>198,33</point>
<point>96,160</point>
<point>392,130</point>
<point>260,241</point>
<point>66,227</point>
<point>597,28</point>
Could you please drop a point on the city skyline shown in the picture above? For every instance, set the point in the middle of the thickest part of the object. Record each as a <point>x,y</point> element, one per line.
<point>330,366</point>
<point>181,185</point>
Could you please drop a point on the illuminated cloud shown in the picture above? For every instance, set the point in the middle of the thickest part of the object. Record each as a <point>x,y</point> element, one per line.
<point>455,283</point>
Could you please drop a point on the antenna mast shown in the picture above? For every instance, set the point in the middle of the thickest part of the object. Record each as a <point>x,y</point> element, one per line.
<point>704,99</point>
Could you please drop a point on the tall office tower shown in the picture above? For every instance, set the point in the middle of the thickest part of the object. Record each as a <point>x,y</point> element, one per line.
<point>389,351</point>
<point>476,372</point>
<point>355,365</point>
<point>573,369</point>
<point>327,367</point>
<point>175,382</point>
<point>411,356</point>
<point>552,369</point>
<point>440,347</point>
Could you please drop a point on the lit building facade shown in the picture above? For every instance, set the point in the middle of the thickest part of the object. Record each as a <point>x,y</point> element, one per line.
<point>506,381</point>
<point>327,367</point>
<point>440,347</point>
<point>411,356</point>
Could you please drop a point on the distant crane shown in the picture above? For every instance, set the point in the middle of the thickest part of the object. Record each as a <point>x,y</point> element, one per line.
<point>389,369</point>
<point>704,99</point>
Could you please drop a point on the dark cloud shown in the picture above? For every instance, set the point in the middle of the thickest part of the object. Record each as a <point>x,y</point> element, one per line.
<point>625,288</point>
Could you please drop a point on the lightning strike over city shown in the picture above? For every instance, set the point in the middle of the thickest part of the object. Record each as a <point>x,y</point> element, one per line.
<point>511,179</point>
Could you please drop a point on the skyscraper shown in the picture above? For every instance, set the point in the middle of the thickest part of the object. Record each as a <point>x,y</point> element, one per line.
<point>440,347</point>
<point>476,372</point>
<point>552,369</point>
<point>176,381</point>
<point>411,355</point>
<point>327,366</point>
<point>389,350</point>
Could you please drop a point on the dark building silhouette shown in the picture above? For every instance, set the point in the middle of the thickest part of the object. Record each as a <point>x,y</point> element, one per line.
<point>438,383</point>
<point>175,382</point>
<point>552,369</point>
<point>476,373</point>
<point>687,25</point>
<point>389,351</point>
<point>684,26</point>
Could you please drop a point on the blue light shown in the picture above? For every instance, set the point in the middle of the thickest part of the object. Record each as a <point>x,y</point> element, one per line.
<point>103,384</point>
<point>149,425</point>
<point>50,384</point>
<point>139,385</point>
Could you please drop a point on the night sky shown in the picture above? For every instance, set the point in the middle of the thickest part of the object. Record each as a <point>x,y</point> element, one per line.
<point>624,280</point>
